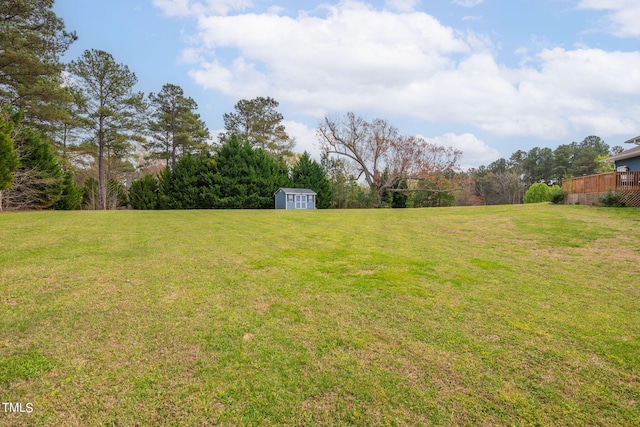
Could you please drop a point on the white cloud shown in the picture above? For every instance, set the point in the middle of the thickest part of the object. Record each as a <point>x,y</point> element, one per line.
<point>200,8</point>
<point>240,79</point>
<point>467,3</point>
<point>409,64</point>
<point>174,7</point>
<point>191,56</point>
<point>474,150</point>
<point>623,16</point>
<point>215,134</point>
<point>402,5</point>
<point>324,62</point>
<point>306,139</point>
<point>573,85</point>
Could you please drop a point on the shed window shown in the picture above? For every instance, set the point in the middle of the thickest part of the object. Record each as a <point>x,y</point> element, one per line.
<point>290,198</point>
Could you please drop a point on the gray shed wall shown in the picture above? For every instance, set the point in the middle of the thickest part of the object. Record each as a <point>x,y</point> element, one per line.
<point>281,200</point>
<point>282,203</point>
<point>310,205</point>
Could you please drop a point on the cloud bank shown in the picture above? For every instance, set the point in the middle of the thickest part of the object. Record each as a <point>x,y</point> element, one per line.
<point>623,15</point>
<point>397,61</point>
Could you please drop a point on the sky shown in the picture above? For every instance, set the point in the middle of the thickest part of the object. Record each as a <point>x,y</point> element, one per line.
<point>488,77</point>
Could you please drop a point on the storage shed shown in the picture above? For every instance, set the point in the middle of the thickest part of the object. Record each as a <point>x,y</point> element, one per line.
<point>295,198</point>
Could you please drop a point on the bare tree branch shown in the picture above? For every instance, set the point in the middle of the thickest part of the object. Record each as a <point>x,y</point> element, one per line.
<point>382,155</point>
<point>26,191</point>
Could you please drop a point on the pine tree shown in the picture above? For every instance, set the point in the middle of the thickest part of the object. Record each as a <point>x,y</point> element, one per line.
<point>308,173</point>
<point>8,156</point>
<point>116,195</point>
<point>174,125</point>
<point>71,196</point>
<point>32,39</point>
<point>399,199</point>
<point>39,180</point>
<point>190,185</point>
<point>247,177</point>
<point>258,122</point>
<point>143,193</point>
<point>113,109</point>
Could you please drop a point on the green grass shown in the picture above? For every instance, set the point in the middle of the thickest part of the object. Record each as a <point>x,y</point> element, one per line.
<point>509,315</point>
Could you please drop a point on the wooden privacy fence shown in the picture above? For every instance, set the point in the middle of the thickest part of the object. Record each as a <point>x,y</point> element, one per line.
<point>601,183</point>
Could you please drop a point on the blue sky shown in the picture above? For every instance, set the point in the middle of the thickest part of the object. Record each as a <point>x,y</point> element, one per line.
<point>487,76</point>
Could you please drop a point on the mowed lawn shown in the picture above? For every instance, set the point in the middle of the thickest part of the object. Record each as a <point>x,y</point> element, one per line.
<point>508,315</point>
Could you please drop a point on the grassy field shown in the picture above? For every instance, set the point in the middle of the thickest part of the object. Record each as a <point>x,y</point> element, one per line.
<point>509,315</point>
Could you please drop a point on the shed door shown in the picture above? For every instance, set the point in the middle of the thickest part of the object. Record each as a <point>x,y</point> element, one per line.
<point>301,202</point>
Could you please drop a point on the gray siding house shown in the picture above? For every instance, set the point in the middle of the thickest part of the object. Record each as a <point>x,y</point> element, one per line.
<point>626,161</point>
<point>623,181</point>
<point>295,198</point>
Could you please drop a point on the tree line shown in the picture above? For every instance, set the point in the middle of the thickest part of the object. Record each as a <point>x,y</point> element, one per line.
<point>237,176</point>
<point>507,180</point>
<point>96,136</point>
<point>79,135</point>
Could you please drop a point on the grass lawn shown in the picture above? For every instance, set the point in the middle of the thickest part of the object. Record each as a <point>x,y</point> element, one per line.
<point>508,315</point>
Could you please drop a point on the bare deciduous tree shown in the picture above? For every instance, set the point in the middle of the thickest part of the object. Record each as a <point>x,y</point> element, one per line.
<point>383,156</point>
<point>26,192</point>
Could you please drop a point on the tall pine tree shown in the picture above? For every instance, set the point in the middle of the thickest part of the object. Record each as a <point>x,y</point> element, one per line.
<point>32,39</point>
<point>258,122</point>
<point>113,108</point>
<point>174,125</point>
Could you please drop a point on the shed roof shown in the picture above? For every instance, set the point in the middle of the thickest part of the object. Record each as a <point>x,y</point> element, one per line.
<point>626,154</point>
<point>296,191</point>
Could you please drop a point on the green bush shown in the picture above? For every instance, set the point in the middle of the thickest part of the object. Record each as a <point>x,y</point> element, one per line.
<point>40,184</point>
<point>556,196</point>
<point>189,185</point>
<point>247,177</point>
<point>612,199</point>
<point>538,192</point>
<point>71,197</point>
<point>143,193</point>
<point>9,160</point>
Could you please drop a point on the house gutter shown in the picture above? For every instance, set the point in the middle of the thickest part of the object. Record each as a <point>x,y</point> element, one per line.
<point>635,140</point>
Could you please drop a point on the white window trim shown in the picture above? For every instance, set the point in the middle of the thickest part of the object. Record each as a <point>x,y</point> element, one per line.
<point>301,201</point>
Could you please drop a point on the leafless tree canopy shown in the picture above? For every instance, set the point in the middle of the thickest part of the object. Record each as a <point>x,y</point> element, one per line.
<point>383,156</point>
<point>26,192</point>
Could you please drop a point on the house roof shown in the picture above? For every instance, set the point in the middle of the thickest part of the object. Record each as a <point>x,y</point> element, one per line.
<point>635,140</point>
<point>296,191</point>
<point>626,154</point>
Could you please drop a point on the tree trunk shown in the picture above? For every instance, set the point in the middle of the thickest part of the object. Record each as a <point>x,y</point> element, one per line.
<point>101,187</point>
<point>173,140</point>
